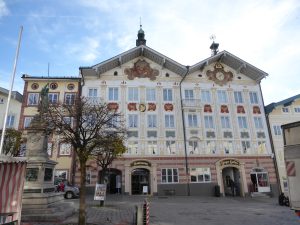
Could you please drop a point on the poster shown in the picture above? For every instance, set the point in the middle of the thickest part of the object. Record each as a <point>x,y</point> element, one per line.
<point>100,192</point>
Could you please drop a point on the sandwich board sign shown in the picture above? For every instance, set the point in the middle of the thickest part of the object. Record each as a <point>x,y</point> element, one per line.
<point>100,192</point>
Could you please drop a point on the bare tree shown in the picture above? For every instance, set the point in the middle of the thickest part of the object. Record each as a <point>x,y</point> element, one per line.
<point>86,126</point>
<point>113,147</point>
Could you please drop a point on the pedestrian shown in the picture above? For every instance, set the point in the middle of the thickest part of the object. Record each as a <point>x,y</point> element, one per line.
<point>232,186</point>
<point>118,184</point>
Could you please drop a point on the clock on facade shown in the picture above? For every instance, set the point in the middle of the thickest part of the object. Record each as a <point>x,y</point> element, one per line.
<point>220,76</point>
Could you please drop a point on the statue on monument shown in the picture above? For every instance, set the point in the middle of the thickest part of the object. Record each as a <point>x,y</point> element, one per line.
<point>39,120</point>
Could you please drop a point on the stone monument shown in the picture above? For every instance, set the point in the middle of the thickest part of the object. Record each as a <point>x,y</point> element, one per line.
<point>39,190</point>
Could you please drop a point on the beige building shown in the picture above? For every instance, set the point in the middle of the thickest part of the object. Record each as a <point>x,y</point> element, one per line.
<point>191,129</point>
<point>279,113</point>
<point>14,108</point>
<point>61,89</point>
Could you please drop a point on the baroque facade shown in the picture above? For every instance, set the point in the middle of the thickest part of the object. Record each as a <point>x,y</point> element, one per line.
<point>278,114</point>
<point>190,128</point>
<point>61,89</point>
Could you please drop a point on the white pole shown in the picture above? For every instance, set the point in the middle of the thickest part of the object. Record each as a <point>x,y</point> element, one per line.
<point>10,90</point>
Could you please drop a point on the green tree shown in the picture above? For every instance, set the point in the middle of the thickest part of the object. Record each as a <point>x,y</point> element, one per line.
<point>12,142</point>
<point>86,126</point>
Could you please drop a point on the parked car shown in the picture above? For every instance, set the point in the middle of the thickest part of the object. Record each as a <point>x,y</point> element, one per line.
<point>63,185</point>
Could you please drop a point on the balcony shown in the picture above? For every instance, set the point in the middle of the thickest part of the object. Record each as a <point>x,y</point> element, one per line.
<point>191,102</point>
<point>94,100</point>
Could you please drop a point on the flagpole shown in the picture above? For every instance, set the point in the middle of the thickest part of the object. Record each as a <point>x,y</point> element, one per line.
<point>10,90</point>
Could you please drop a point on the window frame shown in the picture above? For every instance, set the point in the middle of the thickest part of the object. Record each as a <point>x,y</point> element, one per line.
<point>253,97</point>
<point>133,94</point>
<point>225,122</point>
<point>167,95</point>
<point>242,122</point>
<point>71,99</point>
<point>150,94</point>
<point>172,175</point>
<point>209,122</point>
<point>115,94</point>
<point>152,121</point>
<point>192,120</point>
<point>169,121</point>
<point>134,121</point>
<point>205,96</point>
<point>36,98</point>
<point>222,96</point>
<point>200,171</point>
<point>10,121</point>
<point>238,97</point>
<point>52,100</point>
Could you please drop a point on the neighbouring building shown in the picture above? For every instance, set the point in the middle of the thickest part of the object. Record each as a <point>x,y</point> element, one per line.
<point>13,115</point>
<point>190,128</point>
<point>279,113</point>
<point>61,89</point>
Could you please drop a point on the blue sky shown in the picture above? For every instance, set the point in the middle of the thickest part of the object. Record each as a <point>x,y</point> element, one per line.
<point>69,34</point>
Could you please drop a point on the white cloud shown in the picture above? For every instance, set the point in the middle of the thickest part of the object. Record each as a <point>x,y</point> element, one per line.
<point>86,50</point>
<point>3,9</point>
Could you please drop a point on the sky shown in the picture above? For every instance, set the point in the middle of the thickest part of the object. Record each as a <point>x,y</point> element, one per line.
<point>70,34</point>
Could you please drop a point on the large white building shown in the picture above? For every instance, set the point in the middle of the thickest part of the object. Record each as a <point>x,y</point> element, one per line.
<point>278,114</point>
<point>190,128</point>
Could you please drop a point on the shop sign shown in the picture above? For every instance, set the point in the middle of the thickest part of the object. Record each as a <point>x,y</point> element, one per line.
<point>100,192</point>
<point>141,163</point>
<point>229,162</point>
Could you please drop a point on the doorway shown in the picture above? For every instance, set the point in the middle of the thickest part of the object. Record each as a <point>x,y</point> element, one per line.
<point>140,181</point>
<point>231,181</point>
<point>113,180</point>
<point>260,180</point>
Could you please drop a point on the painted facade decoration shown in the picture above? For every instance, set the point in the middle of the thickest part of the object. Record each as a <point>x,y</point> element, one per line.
<point>219,75</point>
<point>141,69</point>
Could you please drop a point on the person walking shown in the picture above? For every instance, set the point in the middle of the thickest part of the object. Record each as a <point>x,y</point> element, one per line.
<point>232,186</point>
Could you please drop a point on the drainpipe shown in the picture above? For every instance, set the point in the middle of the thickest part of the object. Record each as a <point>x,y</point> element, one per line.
<point>271,142</point>
<point>184,136</point>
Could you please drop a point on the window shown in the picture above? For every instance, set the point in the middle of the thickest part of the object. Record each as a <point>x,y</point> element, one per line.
<point>152,121</point>
<point>242,122</point>
<point>61,174</point>
<point>277,130</point>
<point>258,123</point>
<point>297,109</point>
<point>189,94</point>
<point>92,92</point>
<point>70,98</point>
<point>285,109</point>
<point>113,123</point>
<point>208,121</point>
<point>193,147</point>
<point>132,147</point>
<point>10,121</point>
<point>33,99</point>
<point>192,120</point>
<point>113,94</point>
<point>169,175</point>
<point>228,147</point>
<point>152,148</point>
<point>245,146</point>
<point>211,147</point>
<point>132,120</point>
<point>49,148</point>
<point>253,97</point>
<point>53,98</point>
<point>205,96</point>
<point>171,147</point>
<point>68,120</point>
<point>200,175</point>
<point>169,121</point>
<point>261,147</point>
<point>65,149</point>
<point>225,122</point>
<point>1,100</point>
<point>133,94</point>
<point>222,96</point>
<point>238,98</point>
<point>150,95</point>
<point>88,177</point>
<point>167,93</point>
<point>27,121</point>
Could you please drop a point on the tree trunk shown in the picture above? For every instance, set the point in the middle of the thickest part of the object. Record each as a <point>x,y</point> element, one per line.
<point>103,174</point>
<point>82,212</point>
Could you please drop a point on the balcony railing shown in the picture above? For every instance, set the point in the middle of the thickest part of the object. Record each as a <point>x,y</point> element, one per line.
<point>191,102</point>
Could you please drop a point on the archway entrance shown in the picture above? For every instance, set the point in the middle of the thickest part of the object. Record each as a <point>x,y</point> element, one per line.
<point>113,179</point>
<point>231,181</point>
<point>140,181</point>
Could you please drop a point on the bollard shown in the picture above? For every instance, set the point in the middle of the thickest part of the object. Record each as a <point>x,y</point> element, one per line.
<point>146,213</point>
